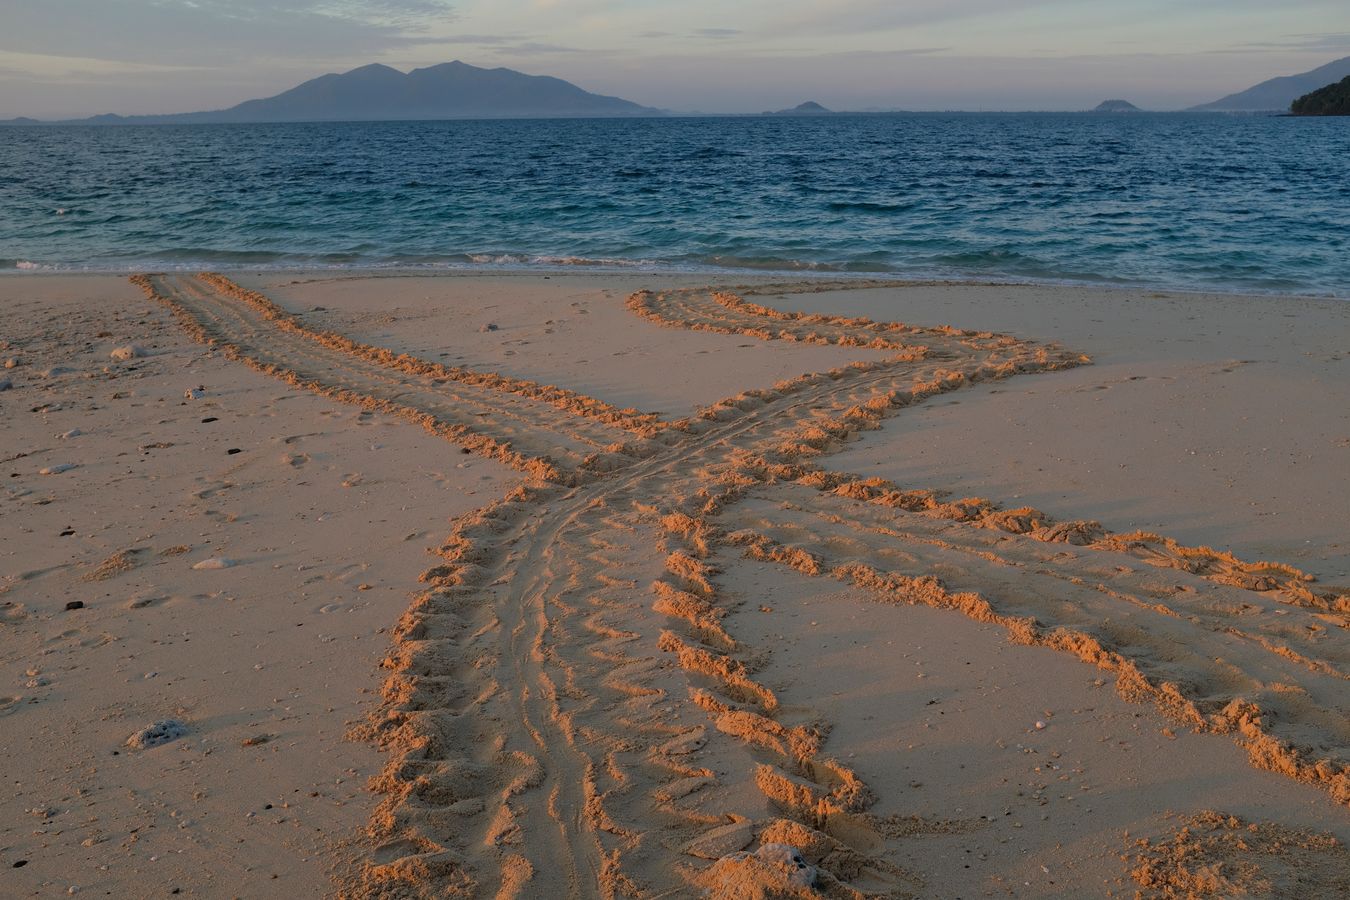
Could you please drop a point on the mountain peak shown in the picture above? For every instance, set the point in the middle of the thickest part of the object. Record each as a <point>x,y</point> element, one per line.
<point>809,108</point>
<point>1116,106</point>
<point>1332,100</point>
<point>452,90</point>
<point>1276,94</point>
<point>450,66</point>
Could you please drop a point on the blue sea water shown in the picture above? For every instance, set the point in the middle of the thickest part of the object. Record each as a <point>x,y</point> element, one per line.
<point>1186,201</point>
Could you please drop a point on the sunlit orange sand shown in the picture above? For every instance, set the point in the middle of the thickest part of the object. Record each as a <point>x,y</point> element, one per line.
<point>607,685</point>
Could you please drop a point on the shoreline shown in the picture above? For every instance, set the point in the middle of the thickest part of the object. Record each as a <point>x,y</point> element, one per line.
<point>806,273</point>
<point>142,484</point>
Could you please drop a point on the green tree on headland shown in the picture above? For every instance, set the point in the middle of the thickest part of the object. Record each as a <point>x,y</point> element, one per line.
<point>1332,100</point>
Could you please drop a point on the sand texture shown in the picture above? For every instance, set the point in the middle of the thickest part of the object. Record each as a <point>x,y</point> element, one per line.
<point>687,650</point>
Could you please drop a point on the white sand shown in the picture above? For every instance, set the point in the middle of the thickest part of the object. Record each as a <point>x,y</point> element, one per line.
<point>542,647</point>
<point>1221,420</point>
<point>570,330</point>
<point>284,644</point>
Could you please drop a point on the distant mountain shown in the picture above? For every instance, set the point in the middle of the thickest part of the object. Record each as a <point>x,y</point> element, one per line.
<point>1332,100</point>
<point>1116,106</point>
<point>1276,94</point>
<point>809,108</point>
<point>453,90</point>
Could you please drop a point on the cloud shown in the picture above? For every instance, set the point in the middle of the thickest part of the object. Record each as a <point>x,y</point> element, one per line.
<point>36,66</point>
<point>482,40</point>
<point>1338,43</point>
<point>1332,43</point>
<point>858,16</point>
<point>531,48</point>
<point>219,32</point>
<point>919,51</point>
<point>717,32</point>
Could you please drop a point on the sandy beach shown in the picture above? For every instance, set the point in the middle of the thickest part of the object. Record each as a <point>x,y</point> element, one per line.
<point>590,584</point>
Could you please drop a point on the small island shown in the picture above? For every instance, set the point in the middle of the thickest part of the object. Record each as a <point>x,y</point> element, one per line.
<point>1116,106</point>
<point>809,108</point>
<point>1332,100</point>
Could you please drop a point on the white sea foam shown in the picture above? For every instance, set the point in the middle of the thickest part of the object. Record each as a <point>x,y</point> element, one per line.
<point>489,259</point>
<point>606,262</point>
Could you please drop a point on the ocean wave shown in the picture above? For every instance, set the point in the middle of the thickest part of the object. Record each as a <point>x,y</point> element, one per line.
<point>705,153</point>
<point>560,261</point>
<point>607,262</point>
<point>768,263</point>
<point>209,256</point>
<point>1034,197</point>
<point>871,206</point>
<point>500,259</point>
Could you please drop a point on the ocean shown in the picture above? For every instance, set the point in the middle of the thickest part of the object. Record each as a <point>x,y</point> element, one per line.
<point>1190,201</point>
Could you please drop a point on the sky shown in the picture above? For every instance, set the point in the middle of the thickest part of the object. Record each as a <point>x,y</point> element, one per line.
<point>68,58</point>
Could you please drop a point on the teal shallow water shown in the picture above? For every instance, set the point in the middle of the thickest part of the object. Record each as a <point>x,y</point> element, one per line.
<point>1183,201</point>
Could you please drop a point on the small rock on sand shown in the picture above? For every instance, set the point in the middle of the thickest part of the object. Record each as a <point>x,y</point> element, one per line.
<point>6,384</point>
<point>130,351</point>
<point>161,732</point>
<point>56,469</point>
<point>72,433</point>
<point>490,326</point>
<point>11,363</point>
<point>215,562</point>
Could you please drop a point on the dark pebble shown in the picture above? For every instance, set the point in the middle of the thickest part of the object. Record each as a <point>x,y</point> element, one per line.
<point>465,450</point>
<point>74,604</point>
<point>210,419</point>
<point>68,532</point>
<point>19,864</point>
<point>232,451</point>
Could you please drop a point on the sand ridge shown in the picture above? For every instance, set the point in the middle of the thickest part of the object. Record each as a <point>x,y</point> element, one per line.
<point>530,423</point>
<point>543,730</point>
<point>1213,855</point>
<point>728,312</point>
<point>324,511</point>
